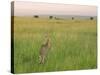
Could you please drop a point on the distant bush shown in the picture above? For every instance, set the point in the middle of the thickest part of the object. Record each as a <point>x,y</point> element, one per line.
<point>72,18</point>
<point>36,16</point>
<point>91,18</point>
<point>50,17</point>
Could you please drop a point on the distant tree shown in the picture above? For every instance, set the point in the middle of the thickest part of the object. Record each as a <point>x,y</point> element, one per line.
<point>50,17</point>
<point>72,18</point>
<point>36,16</point>
<point>91,18</point>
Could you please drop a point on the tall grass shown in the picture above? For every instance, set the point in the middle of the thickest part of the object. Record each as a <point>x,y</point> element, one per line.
<point>73,44</point>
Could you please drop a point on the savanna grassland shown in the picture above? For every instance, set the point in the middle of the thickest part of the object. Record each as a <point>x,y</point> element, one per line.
<point>73,44</point>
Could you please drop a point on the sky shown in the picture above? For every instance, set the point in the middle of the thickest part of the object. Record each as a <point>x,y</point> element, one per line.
<point>22,8</point>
